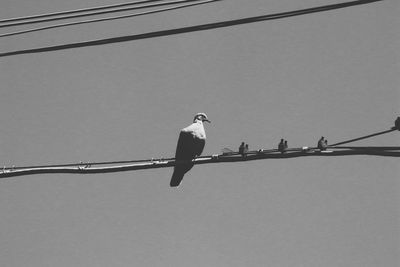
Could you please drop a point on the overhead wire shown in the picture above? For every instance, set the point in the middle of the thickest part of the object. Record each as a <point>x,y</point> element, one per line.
<point>195,28</point>
<point>77,11</point>
<point>361,138</point>
<point>334,150</point>
<point>108,19</point>
<point>81,169</point>
<point>95,13</point>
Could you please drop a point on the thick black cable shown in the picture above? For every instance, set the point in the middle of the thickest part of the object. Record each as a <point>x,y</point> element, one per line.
<point>85,165</point>
<point>201,160</point>
<point>76,11</point>
<point>189,29</point>
<point>107,19</point>
<point>95,13</point>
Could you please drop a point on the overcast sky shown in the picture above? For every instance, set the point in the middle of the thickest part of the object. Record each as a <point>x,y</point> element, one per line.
<point>333,73</point>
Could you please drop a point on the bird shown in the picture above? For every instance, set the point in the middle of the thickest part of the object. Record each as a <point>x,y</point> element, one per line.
<point>281,146</point>
<point>322,143</point>
<point>191,142</point>
<point>246,149</point>
<point>241,149</point>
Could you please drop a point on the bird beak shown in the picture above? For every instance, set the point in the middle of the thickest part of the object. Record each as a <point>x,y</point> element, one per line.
<point>207,120</point>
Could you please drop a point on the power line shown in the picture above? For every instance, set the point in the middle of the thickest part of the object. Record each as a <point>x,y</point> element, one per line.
<point>188,29</point>
<point>396,127</point>
<point>95,13</point>
<point>107,19</point>
<point>76,11</point>
<point>83,168</point>
<point>255,155</point>
<point>363,137</point>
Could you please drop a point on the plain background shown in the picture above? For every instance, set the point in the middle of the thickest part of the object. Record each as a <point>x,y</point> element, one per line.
<point>333,73</point>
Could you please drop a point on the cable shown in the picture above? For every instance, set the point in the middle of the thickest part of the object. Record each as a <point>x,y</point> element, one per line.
<point>78,169</point>
<point>106,19</point>
<point>360,138</point>
<point>76,11</point>
<point>232,156</point>
<point>87,164</point>
<point>187,29</point>
<point>95,13</point>
<point>381,148</point>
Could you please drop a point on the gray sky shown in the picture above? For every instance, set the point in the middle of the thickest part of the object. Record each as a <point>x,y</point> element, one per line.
<point>333,73</point>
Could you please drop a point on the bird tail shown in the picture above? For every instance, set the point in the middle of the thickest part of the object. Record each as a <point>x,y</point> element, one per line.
<point>176,179</point>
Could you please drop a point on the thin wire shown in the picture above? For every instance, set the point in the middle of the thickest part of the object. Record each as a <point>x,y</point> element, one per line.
<point>188,29</point>
<point>361,138</point>
<point>381,148</point>
<point>107,19</point>
<point>76,11</point>
<point>95,13</point>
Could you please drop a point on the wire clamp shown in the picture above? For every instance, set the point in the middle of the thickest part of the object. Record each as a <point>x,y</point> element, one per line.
<point>396,124</point>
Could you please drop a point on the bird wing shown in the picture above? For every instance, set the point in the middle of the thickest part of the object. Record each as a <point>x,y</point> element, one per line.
<point>191,143</point>
<point>189,146</point>
<point>186,147</point>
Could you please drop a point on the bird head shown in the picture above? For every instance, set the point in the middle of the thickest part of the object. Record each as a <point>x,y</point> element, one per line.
<point>201,117</point>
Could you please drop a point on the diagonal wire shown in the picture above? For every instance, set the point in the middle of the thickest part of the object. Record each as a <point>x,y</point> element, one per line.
<point>77,11</point>
<point>107,19</point>
<point>361,138</point>
<point>188,29</point>
<point>95,13</point>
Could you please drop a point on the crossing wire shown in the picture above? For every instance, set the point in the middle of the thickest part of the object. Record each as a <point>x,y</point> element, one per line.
<point>95,13</point>
<point>107,19</point>
<point>189,29</point>
<point>361,138</point>
<point>76,11</point>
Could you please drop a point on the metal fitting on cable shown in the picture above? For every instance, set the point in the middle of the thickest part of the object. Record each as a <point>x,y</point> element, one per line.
<point>396,124</point>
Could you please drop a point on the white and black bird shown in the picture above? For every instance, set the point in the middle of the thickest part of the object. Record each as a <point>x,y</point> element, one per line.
<point>191,142</point>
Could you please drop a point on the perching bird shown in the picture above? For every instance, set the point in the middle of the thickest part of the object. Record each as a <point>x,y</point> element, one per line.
<point>281,146</point>
<point>241,149</point>
<point>246,148</point>
<point>322,144</point>
<point>190,145</point>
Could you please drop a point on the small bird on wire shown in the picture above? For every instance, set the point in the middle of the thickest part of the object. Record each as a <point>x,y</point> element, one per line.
<point>281,146</point>
<point>322,143</point>
<point>241,149</point>
<point>246,149</point>
<point>191,143</point>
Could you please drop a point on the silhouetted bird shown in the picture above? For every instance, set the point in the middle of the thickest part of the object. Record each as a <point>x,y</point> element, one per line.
<point>322,143</point>
<point>281,146</point>
<point>191,143</point>
<point>286,144</point>
<point>246,148</point>
<point>241,149</point>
